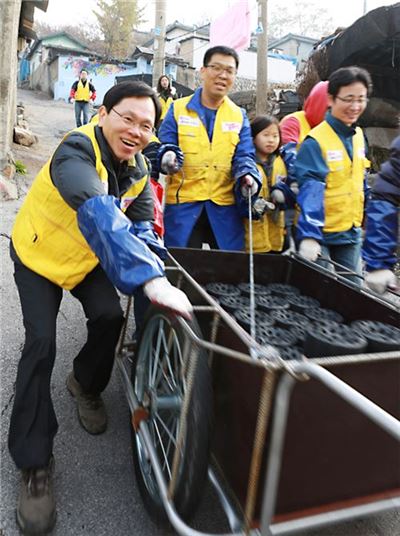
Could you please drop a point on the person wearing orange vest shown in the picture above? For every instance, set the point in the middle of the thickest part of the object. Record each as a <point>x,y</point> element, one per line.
<point>82,92</point>
<point>331,172</point>
<point>86,226</point>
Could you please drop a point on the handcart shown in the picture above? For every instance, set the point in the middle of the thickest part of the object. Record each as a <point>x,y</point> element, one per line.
<point>288,445</point>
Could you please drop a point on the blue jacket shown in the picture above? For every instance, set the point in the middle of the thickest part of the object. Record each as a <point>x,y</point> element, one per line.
<point>225,221</point>
<point>311,171</point>
<point>381,237</point>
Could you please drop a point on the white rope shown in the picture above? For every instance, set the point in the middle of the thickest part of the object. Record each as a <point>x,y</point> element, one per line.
<point>251,275</point>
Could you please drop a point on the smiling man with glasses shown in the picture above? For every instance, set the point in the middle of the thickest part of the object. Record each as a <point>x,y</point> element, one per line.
<point>331,173</point>
<point>86,226</point>
<point>208,153</point>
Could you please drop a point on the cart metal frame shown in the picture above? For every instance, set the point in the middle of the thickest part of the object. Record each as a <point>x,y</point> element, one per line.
<point>290,373</point>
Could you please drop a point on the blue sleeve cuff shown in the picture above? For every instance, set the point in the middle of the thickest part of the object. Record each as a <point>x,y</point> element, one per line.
<point>289,155</point>
<point>242,203</point>
<point>125,257</point>
<point>290,196</point>
<point>144,231</point>
<point>312,217</point>
<point>170,147</point>
<point>379,248</point>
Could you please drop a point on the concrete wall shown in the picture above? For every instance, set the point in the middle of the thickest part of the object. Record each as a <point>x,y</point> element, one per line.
<point>298,49</point>
<point>9,18</point>
<point>40,80</point>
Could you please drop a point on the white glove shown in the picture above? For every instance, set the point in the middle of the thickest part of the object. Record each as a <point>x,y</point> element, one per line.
<point>381,280</point>
<point>310,249</point>
<point>249,186</point>
<point>277,196</point>
<point>162,293</point>
<point>169,163</point>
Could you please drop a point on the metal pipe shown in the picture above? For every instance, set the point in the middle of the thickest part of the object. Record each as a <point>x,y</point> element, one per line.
<point>334,517</point>
<point>279,420</point>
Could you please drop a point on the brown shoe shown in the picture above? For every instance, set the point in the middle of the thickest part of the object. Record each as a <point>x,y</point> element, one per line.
<point>91,410</point>
<point>36,510</point>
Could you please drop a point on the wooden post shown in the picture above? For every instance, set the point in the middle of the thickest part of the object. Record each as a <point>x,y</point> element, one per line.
<point>159,41</point>
<point>262,59</point>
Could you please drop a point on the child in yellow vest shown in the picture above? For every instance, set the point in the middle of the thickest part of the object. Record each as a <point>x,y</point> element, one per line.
<point>268,214</point>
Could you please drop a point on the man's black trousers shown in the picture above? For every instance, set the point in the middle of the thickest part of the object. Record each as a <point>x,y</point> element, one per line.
<point>33,421</point>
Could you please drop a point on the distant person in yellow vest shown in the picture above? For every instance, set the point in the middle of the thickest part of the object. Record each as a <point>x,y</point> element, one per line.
<point>166,94</point>
<point>268,210</point>
<point>209,157</point>
<point>82,92</point>
<point>86,226</point>
<point>331,172</point>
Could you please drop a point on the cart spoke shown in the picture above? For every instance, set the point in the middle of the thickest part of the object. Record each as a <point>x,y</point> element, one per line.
<point>162,449</point>
<point>156,353</point>
<point>175,345</point>
<point>168,432</point>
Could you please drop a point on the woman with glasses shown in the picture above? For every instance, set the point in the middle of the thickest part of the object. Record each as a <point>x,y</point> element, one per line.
<point>330,169</point>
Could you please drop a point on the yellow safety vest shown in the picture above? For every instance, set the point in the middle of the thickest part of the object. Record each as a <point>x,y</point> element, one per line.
<point>207,167</point>
<point>46,236</point>
<point>304,125</point>
<point>165,104</point>
<point>344,192</point>
<point>82,92</point>
<point>268,235</point>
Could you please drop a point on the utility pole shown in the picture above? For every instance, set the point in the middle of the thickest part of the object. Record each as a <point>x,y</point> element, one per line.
<point>262,59</point>
<point>365,7</point>
<point>159,41</point>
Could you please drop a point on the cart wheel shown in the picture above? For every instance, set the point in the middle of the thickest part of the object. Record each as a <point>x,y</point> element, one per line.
<point>159,377</point>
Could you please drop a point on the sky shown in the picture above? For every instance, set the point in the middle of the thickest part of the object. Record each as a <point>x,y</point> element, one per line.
<point>343,12</point>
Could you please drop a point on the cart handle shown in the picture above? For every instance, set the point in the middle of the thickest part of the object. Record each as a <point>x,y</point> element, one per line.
<point>339,275</point>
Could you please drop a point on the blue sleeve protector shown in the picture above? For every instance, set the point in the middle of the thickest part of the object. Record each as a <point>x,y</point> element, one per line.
<point>379,247</point>
<point>312,217</point>
<point>168,131</point>
<point>289,155</point>
<point>170,147</point>
<point>145,231</point>
<point>244,158</point>
<point>242,202</point>
<point>125,258</point>
<point>290,196</point>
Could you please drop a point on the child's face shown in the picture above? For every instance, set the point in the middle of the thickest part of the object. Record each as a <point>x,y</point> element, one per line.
<point>267,140</point>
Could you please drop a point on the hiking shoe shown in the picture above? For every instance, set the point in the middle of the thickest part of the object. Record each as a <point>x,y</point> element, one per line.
<point>36,510</point>
<point>91,410</point>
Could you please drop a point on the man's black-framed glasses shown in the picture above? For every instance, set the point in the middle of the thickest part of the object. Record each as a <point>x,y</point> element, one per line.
<point>146,129</point>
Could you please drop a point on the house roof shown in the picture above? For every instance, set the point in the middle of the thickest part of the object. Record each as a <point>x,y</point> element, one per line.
<point>289,37</point>
<point>200,31</point>
<point>51,41</point>
<point>27,17</point>
<point>149,53</point>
